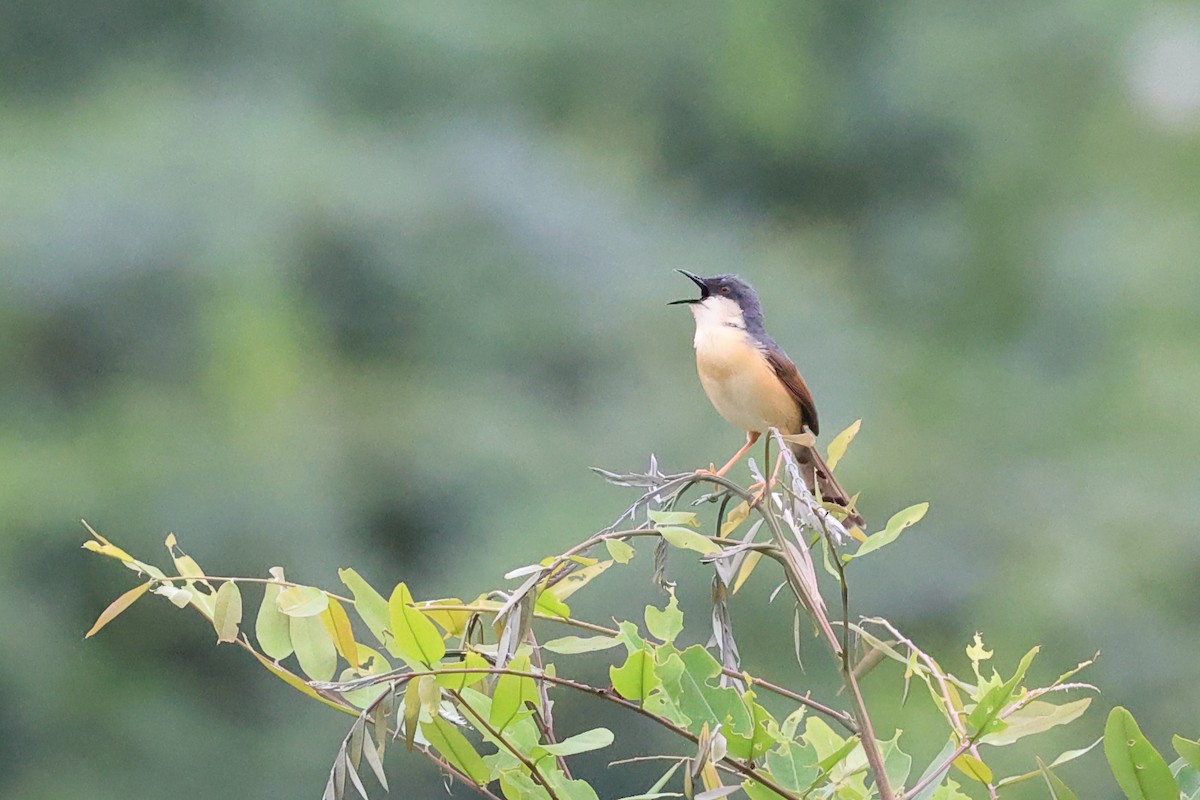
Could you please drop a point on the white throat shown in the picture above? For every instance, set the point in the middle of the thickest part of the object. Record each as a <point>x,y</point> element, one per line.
<point>715,316</point>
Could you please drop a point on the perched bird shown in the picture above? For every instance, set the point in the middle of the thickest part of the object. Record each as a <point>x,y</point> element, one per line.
<point>751,381</point>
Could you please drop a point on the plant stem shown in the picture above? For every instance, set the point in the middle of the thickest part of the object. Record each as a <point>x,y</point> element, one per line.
<point>495,734</point>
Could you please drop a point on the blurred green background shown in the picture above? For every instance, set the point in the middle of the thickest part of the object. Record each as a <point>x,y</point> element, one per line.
<point>373,284</point>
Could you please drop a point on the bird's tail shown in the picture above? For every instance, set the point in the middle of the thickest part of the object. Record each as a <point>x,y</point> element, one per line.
<point>820,481</point>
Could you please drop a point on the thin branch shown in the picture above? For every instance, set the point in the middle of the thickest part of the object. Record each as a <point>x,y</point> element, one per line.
<point>604,694</point>
<point>495,734</point>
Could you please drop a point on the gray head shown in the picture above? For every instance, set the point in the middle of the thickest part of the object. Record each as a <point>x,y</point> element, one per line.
<point>727,296</point>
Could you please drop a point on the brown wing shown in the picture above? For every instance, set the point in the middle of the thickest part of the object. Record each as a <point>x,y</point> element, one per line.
<point>787,373</point>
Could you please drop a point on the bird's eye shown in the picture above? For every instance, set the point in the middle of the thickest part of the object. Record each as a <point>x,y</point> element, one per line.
<point>724,290</point>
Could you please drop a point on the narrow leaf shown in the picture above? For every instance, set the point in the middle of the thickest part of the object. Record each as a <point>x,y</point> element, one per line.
<point>573,645</point>
<point>454,747</point>
<point>585,742</point>
<point>839,443</point>
<point>899,521</point>
<point>116,607</point>
<point>1058,789</point>
<point>337,622</point>
<point>370,605</point>
<point>689,540</point>
<point>673,518</point>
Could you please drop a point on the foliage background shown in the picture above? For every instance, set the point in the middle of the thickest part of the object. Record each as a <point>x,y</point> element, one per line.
<point>373,284</point>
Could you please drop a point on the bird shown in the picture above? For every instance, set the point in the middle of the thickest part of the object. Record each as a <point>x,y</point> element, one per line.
<point>753,384</point>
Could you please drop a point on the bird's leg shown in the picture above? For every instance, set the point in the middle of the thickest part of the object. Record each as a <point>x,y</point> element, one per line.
<point>751,438</point>
<point>759,490</point>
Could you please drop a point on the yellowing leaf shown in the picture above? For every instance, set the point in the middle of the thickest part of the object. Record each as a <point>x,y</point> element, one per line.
<point>116,607</point>
<point>577,580</point>
<point>417,639</point>
<point>839,443</point>
<point>227,612</point>
<point>337,622</point>
<point>748,564</point>
<point>689,540</point>
<point>298,684</point>
<point>734,518</point>
<point>452,621</point>
<point>105,549</point>
<point>673,518</point>
<point>572,645</point>
<point>973,768</point>
<point>301,601</point>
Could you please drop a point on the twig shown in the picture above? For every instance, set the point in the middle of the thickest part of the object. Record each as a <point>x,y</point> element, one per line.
<point>509,746</point>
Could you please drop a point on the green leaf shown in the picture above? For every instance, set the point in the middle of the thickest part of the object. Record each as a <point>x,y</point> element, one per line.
<point>271,627</point>
<point>896,763</point>
<point>928,792</point>
<point>989,707</point>
<point>516,785</point>
<point>620,550</point>
<point>839,443</point>
<point>1036,717</point>
<point>512,691</point>
<point>547,603</point>
<point>1063,758</point>
<point>1058,789</point>
<point>1188,778</point>
<point>1187,749</point>
<point>794,766</point>
<point>569,789</point>
<point>973,768</point>
<point>585,742</point>
<point>636,678</point>
<point>667,623</point>
<point>454,747</point>
<point>116,607</point>
<point>573,645</point>
<point>899,521</point>
<point>689,540</point>
<point>1140,771</point>
<point>314,647</point>
<point>227,612</point>
<point>764,733</point>
<point>301,601</point>
<point>417,639</point>
<point>673,518</point>
<point>370,605</point>
<point>457,681</point>
<point>685,680</point>
<point>950,790</point>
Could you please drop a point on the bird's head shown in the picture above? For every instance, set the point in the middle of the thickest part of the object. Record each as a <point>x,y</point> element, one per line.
<point>724,300</point>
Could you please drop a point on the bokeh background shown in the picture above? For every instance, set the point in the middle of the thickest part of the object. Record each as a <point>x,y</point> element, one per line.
<point>374,284</point>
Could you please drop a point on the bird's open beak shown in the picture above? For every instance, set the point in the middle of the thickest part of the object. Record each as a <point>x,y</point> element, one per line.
<point>696,279</point>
